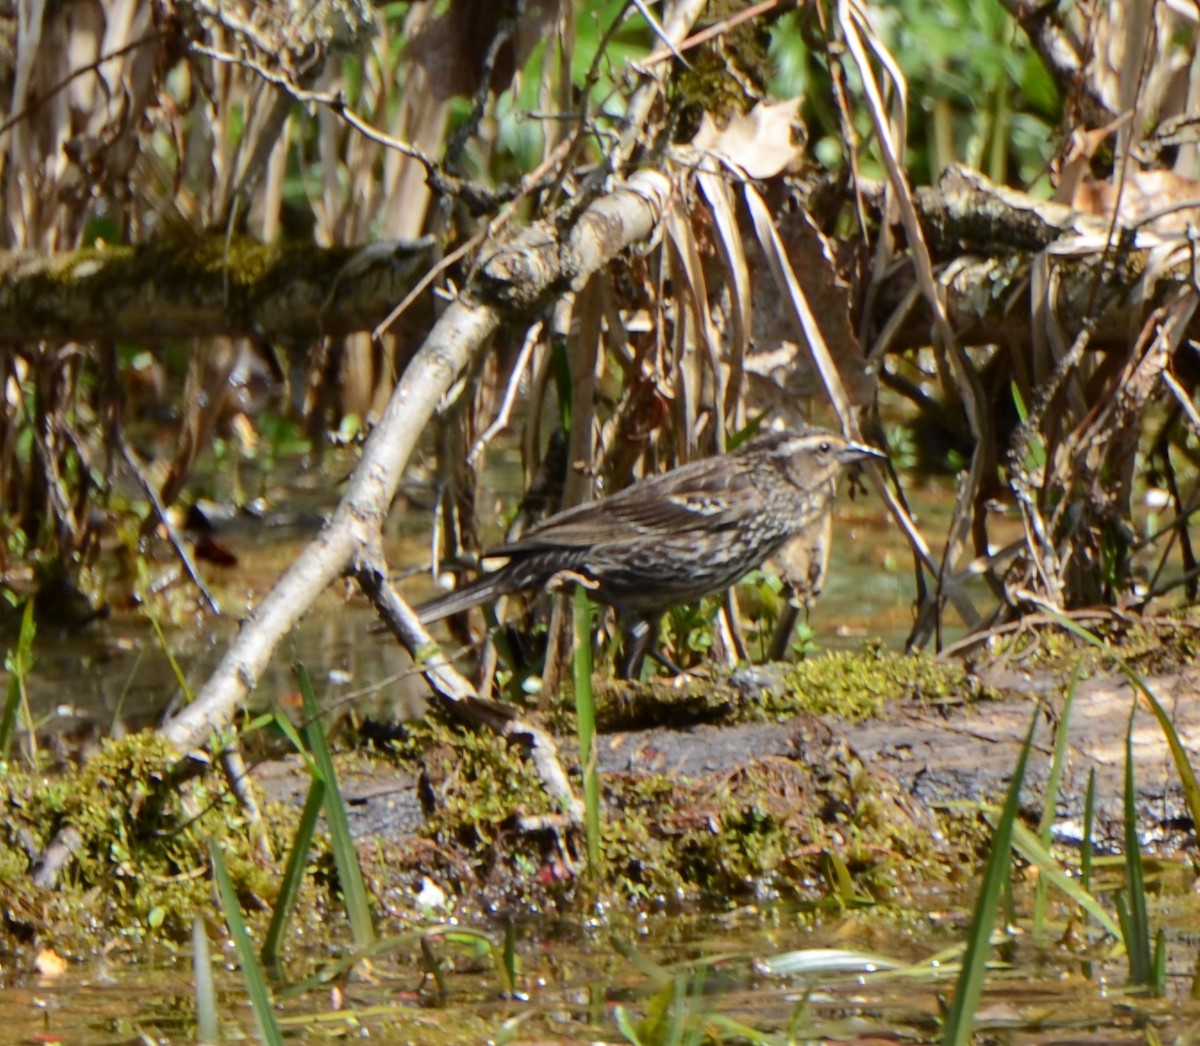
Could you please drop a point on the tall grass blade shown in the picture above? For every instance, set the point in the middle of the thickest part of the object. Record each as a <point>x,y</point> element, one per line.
<point>1183,767</point>
<point>627,1026</point>
<point>1158,968</point>
<point>1087,849</point>
<point>285,726</point>
<point>843,882</point>
<point>1034,850</point>
<point>961,1017</point>
<point>508,958</point>
<point>176,670</point>
<point>208,1030</point>
<point>1136,921</point>
<point>585,719</point>
<point>345,856</point>
<point>1061,736</point>
<point>256,985</point>
<point>1121,903</point>
<point>1050,807</point>
<point>19,664</point>
<point>293,873</point>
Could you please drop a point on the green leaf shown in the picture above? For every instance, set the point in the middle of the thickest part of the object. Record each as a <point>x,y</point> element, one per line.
<point>961,1017</point>
<point>252,975</point>
<point>345,856</point>
<point>585,719</point>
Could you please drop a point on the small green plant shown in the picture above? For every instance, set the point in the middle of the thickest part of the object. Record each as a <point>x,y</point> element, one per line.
<point>19,663</point>
<point>688,631</point>
<point>804,641</point>
<point>585,718</point>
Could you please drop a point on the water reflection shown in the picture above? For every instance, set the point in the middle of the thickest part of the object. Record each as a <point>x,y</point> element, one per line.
<point>699,977</point>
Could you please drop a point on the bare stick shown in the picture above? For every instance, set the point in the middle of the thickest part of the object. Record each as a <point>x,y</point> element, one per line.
<point>518,277</point>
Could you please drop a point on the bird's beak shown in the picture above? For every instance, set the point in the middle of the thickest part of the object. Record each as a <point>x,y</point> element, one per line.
<point>857,452</point>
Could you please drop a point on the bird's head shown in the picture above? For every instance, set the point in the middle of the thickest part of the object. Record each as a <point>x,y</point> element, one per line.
<point>812,458</point>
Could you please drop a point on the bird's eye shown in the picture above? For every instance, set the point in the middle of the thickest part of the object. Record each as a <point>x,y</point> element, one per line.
<point>824,448</point>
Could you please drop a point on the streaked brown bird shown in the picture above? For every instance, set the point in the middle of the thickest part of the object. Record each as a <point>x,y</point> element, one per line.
<point>674,538</point>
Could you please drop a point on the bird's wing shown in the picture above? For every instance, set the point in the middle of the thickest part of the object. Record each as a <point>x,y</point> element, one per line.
<point>693,497</point>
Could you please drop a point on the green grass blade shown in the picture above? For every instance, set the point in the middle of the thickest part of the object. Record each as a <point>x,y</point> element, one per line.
<point>1183,767</point>
<point>1031,847</point>
<point>1061,737</point>
<point>293,873</point>
<point>585,719</point>
<point>1158,968</point>
<point>256,985</point>
<point>509,960</point>
<point>961,1017</point>
<point>627,1025</point>
<point>1121,903</point>
<point>842,882</point>
<point>1050,806</point>
<point>652,971</point>
<point>1036,454</point>
<point>345,856</point>
<point>208,1029</point>
<point>1088,848</point>
<point>19,663</point>
<point>1137,943</point>
<point>176,670</point>
<point>286,727</point>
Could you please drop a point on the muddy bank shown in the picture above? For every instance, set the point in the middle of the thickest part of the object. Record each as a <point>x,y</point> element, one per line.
<point>906,781</point>
<point>722,790</point>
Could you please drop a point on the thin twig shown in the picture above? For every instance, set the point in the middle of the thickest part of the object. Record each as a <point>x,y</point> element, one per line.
<point>1183,398</point>
<point>45,96</point>
<point>510,394</point>
<point>719,28</point>
<point>164,519</point>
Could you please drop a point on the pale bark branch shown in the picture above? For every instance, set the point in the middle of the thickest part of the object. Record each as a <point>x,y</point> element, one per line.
<point>519,277</point>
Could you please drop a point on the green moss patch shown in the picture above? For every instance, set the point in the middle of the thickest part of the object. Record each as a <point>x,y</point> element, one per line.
<point>139,866</point>
<point>858,684</point>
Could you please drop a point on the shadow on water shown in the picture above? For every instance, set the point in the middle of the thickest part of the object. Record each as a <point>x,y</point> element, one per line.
<point>116,677</point>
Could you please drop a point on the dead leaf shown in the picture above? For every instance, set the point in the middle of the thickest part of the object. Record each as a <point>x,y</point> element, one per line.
<point>761,142</point>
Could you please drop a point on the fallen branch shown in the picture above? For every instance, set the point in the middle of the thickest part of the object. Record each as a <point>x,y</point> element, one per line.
<point>521,275</point>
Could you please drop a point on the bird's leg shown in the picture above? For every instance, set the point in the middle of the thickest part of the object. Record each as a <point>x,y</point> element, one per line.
<point>781,638</point>
<point>636,635</point>
<point>639,637</point>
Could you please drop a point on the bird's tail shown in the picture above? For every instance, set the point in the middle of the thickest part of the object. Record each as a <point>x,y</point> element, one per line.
<point>483,589</point>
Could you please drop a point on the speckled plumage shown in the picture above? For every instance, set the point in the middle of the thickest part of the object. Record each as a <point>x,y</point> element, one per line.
<point>674,538</point>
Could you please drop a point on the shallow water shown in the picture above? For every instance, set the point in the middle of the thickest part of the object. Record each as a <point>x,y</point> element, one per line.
<point>578,983</point>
